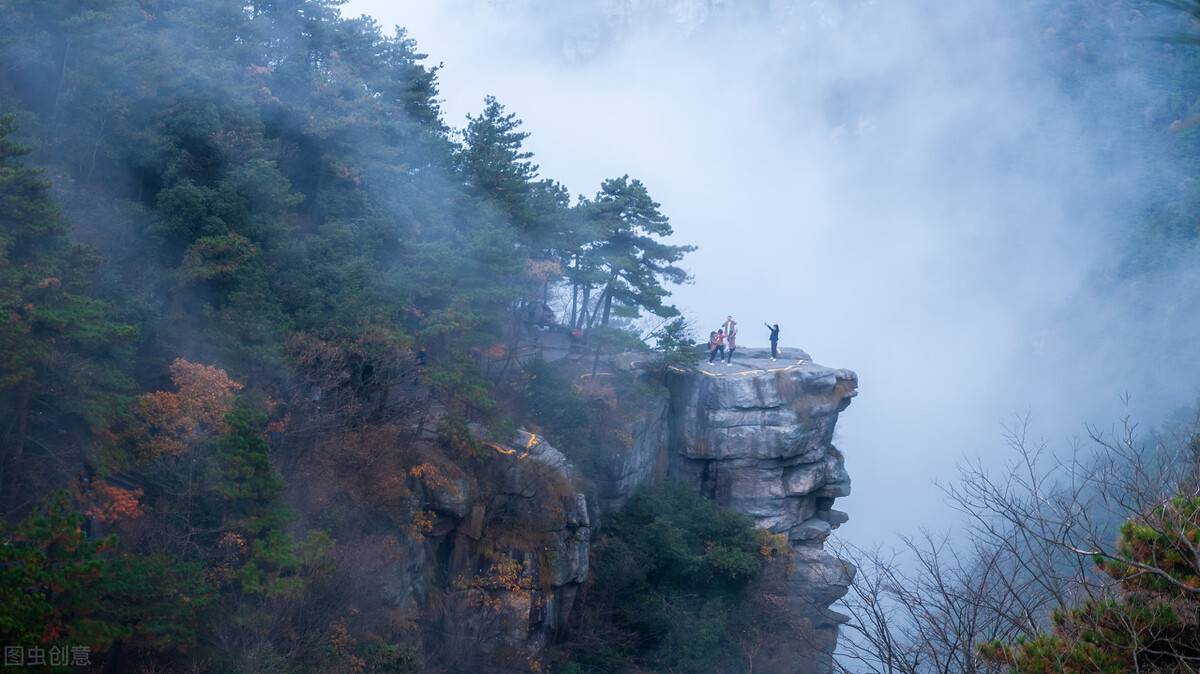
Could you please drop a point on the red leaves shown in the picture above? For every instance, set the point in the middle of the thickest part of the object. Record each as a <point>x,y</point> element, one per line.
<point>108,503</point>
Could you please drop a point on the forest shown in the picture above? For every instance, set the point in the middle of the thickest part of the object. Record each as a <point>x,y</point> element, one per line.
<point>250,228</point>
<point>265,317</point>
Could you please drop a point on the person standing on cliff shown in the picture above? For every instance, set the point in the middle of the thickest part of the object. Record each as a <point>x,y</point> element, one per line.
<point>712,345</point>
<point>731,338</point>
<point>718,351</point>
<point>730,325</point>
<point>774,340</point>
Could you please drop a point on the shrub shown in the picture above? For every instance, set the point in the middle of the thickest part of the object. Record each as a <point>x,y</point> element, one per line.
<point>670,572</point>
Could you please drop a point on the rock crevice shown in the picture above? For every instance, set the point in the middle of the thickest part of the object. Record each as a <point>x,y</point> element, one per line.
<point>758,438</point>
<point>755,436</point>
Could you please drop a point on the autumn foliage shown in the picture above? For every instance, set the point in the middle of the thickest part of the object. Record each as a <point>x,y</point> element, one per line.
<point>505,580</point>
<point>107,503</point>
<point>170,420</point>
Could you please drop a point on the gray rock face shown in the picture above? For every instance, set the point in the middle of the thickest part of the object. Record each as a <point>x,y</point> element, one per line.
<point>622,469</point>
<point>503,608</point>
<point>757,436</point>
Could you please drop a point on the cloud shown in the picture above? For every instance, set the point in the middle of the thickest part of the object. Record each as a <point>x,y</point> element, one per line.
<point>904,186</point>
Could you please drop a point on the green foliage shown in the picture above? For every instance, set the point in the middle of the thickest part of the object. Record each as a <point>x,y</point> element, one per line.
<point>1154,622</point>
<point>162,598</point>
<point>277,565</point>
<point>52,581</point>
<point>61,349</point>
<point>494,162</point>
<point>1166,539</point>
<point>454,435</point>
<point>669,570</point>
<point>554,407</point>
<point>249,485</point>
<point>632,258</point>
<point>273,189</point>
<point>383,658</point>
<point>677,343</point>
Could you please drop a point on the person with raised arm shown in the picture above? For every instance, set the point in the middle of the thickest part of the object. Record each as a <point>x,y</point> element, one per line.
<point>774,339</point>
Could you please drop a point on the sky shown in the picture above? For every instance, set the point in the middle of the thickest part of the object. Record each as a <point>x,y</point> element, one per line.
<point>899,185</point>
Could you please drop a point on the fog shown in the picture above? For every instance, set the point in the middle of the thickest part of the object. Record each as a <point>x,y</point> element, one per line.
<point>905,187</point>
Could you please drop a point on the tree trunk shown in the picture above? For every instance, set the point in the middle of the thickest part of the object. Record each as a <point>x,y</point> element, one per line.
<point>62,76</point>
<point>574,297</point>
<point>583,312</point>
<point>608,293</point>
<point>596,310</point>
<point>96,149</point>
<point>18,450</point>
<point>607,307</point>
<point>574,291</point>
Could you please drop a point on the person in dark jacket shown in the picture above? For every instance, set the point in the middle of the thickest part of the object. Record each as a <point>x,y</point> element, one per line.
<point>712,345</point>
<point>731,342</point>
<point>774,340</point>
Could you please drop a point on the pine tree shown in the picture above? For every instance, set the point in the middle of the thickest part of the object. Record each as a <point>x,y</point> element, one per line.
<point>635,261</point>
<point>60,347</point>
<point>494,162</point>
<point>53,580</point>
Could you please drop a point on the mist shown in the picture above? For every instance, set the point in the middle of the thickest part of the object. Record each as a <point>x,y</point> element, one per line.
<point>907,188</point>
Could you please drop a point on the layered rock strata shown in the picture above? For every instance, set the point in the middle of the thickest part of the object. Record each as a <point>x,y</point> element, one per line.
<point>757,436</point>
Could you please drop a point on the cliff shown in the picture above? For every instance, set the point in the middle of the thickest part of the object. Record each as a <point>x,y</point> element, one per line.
<point>513,546</point>
<point>757,436</point>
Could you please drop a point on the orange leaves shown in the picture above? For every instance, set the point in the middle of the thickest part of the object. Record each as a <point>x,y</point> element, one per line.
<point>505,576</point>
<point>279,425</point>
<point>434,480</point>
<point>205,394</point>
<point>233,544</point>
<point>542,270</point>
<point>421,524</point>
<point>108,503</point>
<point>773,546</point>
<point>172,419</point>
<point>433,477</point>
<point>162,413</point>
<point>339,636</point>
<point>342,643</point>
<point>345,172</point>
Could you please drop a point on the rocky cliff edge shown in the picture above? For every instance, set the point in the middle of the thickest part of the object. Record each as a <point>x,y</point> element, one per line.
<point>757,436</point>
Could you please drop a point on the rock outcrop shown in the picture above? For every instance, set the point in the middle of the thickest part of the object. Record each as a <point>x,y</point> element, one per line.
<point>515,561</point>
<point>757,436</point>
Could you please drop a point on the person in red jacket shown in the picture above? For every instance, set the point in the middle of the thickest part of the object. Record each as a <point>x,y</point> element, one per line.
<point>718,347</point>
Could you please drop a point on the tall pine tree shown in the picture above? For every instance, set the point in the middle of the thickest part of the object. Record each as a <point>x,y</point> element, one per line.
<point>59,346</point>
<point>630,255</point>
